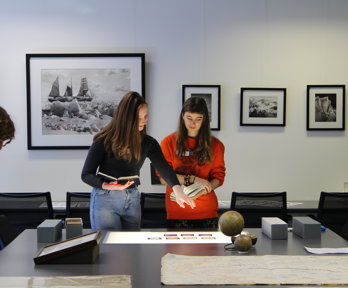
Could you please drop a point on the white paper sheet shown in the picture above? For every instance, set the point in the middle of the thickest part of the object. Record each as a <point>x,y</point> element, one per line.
<point>343,250</point>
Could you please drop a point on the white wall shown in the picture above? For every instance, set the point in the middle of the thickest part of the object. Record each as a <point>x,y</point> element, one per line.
<point>234,43</point>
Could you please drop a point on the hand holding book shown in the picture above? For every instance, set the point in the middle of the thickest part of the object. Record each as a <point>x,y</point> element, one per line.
<point>193,191</point>
<point>120,180</point>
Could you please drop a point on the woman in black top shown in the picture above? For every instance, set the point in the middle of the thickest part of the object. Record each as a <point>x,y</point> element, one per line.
<point>120,149</point>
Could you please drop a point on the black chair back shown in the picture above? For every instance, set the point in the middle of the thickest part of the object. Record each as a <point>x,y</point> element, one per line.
<point>333,211</point>
<point>7,231</point>
<point>255,205</point>
<point>26,210</point>
<point>77,206</point>
<point>153,210</point>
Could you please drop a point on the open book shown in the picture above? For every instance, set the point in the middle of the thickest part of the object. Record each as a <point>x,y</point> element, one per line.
<point>193,191</point>
<point>121,180</point>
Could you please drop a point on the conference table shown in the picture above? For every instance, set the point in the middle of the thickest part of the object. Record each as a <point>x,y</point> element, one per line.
<point>143,261</point>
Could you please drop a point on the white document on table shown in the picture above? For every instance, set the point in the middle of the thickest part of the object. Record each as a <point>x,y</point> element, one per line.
<point>343,250</point>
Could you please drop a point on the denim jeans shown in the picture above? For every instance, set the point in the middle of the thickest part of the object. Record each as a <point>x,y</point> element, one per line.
<point>115,209</point>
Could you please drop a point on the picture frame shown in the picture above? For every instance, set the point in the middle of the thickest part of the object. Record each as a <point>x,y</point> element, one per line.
<point>70,97</point>
<point>211,94</point>
<point>326,107</point>
<point>63,251</point>
<point>263,106</point>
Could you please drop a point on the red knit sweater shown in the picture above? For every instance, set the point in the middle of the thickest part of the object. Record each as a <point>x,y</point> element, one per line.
<point>207,205</point>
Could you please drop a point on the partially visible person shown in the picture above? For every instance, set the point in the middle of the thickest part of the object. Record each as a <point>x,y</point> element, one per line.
<point>120,149</point>
<point>195,156</point>
<point>7,128</point>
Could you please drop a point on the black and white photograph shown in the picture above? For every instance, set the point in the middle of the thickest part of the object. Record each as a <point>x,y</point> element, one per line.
<point>325,107</point>
<point>73,97</point>
<point>211,95</point>
<point>263,107</point>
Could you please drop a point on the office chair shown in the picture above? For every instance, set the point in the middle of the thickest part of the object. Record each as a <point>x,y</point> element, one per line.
<point>77,206</point>
<point>253,206</point>
<point>26,210</point>
<point>7,232</point>
<point>333,212</point>
<point>153,210</point>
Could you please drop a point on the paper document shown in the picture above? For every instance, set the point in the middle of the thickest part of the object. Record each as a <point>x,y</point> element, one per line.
<point>343,250</point>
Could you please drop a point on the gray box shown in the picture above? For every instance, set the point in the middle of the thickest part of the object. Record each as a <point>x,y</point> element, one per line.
<point>275,228</point>
<point>74,227</point>
<point>306,227</point>
<point>49,231</point>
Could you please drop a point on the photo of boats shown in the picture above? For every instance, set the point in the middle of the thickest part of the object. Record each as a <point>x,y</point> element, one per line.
<point>80,101</point>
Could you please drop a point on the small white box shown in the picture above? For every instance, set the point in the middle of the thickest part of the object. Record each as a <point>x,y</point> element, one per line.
<point>275,228</point>
<point>306,227</point>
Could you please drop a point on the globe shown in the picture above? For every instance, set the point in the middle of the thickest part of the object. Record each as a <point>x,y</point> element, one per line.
<point>243,242</point>
<point>231,223</point>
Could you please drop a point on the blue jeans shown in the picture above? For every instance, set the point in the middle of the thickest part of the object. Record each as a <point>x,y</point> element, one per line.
<point>115,209</point>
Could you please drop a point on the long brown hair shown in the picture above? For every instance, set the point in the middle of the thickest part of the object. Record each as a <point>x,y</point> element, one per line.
<point>203,149</point>
<point>7,128</point>
<point>122,136</point>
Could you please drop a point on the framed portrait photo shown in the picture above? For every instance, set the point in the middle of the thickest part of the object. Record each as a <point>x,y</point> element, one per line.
<point>70,97</point>
<point>211,95</point>
<point>263,107</point>
<point>326,107</point>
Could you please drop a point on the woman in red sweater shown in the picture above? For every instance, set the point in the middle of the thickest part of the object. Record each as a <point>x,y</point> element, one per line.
<point>196,157</point>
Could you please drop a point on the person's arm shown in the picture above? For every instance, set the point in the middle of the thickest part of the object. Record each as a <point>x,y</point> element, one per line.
<point>218,171</point>
<point>94,158</point>
<point>167,173</point>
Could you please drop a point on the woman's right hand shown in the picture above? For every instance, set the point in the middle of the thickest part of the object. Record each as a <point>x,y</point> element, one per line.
<point>115,186</point>
<point>181,198</point>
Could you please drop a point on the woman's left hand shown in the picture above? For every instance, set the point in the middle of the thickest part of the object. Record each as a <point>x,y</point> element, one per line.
<point>205,184</point>
<point>116,186</point>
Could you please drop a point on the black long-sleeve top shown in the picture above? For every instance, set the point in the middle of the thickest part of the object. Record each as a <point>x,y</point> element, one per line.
<point>99,160</point>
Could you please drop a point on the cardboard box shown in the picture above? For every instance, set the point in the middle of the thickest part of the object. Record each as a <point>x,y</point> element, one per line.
<point>306,227</point>
<point>49,231</point>
<point>275,228</point>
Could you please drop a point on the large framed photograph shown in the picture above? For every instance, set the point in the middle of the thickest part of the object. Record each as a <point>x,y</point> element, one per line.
<point>211,95</point>
<point>70,97</point>
<point>64,251</point>
<point>263,107</point>
<point>326,107</point>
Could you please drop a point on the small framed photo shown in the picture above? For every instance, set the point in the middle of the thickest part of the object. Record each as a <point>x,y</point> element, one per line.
<point>263,107</point>
<point>211,94</point>
<point>71,97</point>
<point>326,107</point>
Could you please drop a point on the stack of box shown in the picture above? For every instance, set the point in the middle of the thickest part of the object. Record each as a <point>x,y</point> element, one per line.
<point>306,227</point>
<point>74,227</point>
<point>49,231</point>
<point>275,228</point>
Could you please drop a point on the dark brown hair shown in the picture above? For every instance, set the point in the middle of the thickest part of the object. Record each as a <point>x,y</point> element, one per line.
<point>122,136</point>
<point>7,128</point>
<point>203,149</point>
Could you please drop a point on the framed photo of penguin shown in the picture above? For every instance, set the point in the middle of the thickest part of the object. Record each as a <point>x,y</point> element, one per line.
<point>211,94</point>
<point>70,97</point>
<point>326,107</point>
